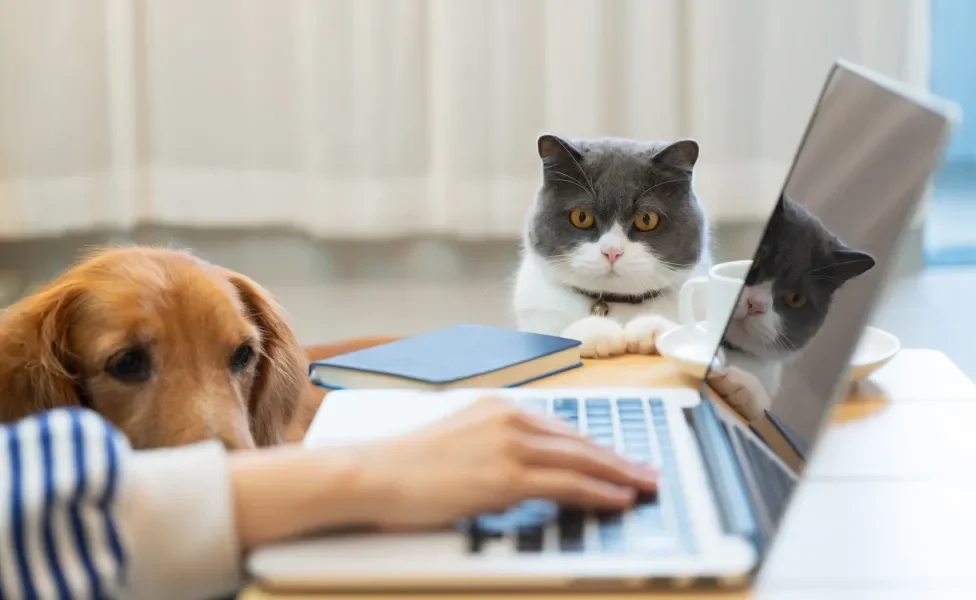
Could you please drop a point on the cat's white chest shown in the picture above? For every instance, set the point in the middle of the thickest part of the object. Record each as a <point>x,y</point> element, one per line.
<point>544,306</point>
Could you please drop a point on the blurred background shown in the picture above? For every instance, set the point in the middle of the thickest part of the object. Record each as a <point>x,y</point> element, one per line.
<point>371,161</point>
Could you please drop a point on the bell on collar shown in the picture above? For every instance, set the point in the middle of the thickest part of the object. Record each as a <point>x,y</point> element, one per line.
<point>600,308</point>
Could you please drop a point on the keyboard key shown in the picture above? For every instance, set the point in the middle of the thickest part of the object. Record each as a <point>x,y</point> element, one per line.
<point>529,539</point>
<point>631,414</point>
<point>598,406</point>
<point>630,404</point>
<point>649,519</point>
<point>633,424</point>
<point>611,533</point>
<point>571,526</point>
<point>566,406</point>
<point>567,409</point>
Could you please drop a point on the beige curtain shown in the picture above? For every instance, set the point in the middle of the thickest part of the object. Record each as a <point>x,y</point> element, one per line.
<point>386,118</point>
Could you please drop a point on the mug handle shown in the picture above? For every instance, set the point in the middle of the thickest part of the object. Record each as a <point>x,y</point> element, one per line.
<point>686,304</point>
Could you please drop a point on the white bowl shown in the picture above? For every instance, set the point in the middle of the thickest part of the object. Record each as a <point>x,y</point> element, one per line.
<point>874,350</point>
<point>686,350</point>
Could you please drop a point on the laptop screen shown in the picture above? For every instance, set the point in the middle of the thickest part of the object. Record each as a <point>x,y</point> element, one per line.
<point>800,306</point>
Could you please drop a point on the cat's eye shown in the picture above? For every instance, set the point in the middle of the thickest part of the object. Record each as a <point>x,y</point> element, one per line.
<point>581,219</point>
<point>130,366</point>
<point>647,221</point>
<point>794,299</point>
<point>241,358</point>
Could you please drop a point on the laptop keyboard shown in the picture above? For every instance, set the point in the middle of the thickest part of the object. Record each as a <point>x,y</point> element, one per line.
<point>635,427</point>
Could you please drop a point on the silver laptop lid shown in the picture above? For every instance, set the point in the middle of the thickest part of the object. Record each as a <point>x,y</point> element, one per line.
<point>857,180</point>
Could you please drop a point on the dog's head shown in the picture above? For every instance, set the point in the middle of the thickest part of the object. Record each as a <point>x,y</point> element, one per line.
<point>169,348</point>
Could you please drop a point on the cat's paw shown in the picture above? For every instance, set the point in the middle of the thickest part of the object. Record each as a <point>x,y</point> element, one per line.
<point>601,337</point>
<point>741,390</point>
<point>642,332</point>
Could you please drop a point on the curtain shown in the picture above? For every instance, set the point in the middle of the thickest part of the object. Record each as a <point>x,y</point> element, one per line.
<point>393,118</point>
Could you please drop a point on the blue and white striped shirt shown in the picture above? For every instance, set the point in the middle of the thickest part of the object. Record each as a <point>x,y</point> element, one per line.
<point>75,501</point>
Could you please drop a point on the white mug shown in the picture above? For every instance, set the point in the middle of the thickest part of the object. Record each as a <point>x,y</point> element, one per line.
<point>722,287</point>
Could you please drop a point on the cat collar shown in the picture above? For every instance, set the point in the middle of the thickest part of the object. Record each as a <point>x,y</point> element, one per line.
<point>602,301</point>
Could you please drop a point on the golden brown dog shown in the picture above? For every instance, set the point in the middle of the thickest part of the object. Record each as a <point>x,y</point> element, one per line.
<point>169,348</point>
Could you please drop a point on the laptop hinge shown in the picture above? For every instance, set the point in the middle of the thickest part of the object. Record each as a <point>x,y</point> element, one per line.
<point>727,481</point>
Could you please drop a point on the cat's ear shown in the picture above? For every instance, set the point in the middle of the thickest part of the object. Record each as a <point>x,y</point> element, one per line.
<point>779,211</point>
<point>681,155</point>
<point>848,264</point>
<point>555,151</point>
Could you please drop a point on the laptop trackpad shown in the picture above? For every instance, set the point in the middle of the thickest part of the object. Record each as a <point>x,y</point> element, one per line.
<point>348,416</point>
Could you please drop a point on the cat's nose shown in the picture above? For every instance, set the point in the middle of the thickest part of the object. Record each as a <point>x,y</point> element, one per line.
<point>612,254</point>
<point>756,307</point>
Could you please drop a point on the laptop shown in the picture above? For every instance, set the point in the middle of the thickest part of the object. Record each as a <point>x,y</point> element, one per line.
<point>862,169</point>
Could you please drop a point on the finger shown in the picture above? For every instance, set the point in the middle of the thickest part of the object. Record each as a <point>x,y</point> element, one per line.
<point>510,415</point>
<point>476,412</point>
<point>586,458</point>
<point>546,425</point>
<point>575,489</point>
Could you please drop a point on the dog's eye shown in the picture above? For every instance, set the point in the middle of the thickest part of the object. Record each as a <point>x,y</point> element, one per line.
<point>241,358</point>
<point>130,366</point>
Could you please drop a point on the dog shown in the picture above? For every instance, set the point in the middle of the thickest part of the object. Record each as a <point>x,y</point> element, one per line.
<point>169,348</point>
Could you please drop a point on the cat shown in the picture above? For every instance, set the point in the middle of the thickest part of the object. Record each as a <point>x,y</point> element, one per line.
<point>615,230</point>
<point>789,291</point>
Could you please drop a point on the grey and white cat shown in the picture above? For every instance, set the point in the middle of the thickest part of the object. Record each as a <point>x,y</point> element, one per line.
<point>614,232</point>
<point>799,267</point>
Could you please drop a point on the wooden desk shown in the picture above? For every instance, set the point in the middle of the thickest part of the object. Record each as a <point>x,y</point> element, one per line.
<point>886,508</point>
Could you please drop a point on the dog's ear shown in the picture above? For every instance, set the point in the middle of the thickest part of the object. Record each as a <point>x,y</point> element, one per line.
<point>37,370</point>
<point>282,374</point>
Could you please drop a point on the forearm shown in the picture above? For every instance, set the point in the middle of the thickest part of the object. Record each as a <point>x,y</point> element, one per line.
<point>288,491</point>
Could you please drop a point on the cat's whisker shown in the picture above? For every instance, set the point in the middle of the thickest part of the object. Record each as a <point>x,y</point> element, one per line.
<point>828,279</point>
<point>659,184</point>
<point>560,176</point>
<point>580,167</point>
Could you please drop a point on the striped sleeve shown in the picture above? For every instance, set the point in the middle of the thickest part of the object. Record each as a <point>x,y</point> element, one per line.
<point>83,516</point>
<point>60,474</point>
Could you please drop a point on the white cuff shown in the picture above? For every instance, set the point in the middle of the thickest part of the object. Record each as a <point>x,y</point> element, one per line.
<point>178,508</point>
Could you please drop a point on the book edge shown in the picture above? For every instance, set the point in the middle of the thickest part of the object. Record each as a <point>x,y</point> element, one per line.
<point>577,365</point>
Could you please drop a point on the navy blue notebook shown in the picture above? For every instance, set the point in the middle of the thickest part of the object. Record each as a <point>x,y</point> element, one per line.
<point>462,356</point>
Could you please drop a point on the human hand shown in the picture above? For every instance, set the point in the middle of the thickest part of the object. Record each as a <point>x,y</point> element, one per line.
<point>486,458</point>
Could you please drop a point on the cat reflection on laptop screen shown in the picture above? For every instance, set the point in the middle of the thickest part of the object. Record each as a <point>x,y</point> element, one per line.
<point>789,292</point>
